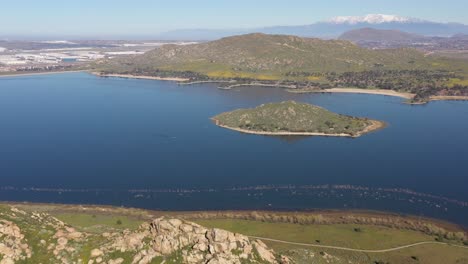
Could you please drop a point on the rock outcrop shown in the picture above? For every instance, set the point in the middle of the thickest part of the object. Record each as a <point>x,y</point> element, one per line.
<point>13,247</point>
<point>28,236</point>
<point>203,245</point>
<point>195,244</point>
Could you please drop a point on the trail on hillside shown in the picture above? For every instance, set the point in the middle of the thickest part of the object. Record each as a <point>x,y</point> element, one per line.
<point>359,250</point>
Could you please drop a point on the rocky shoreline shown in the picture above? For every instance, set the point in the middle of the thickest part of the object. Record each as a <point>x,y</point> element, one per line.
<point>376,125</point>
<point>292,88</point>
<point>290,118</point>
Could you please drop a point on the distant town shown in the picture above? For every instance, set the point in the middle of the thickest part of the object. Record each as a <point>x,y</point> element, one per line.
<point>34,56</point>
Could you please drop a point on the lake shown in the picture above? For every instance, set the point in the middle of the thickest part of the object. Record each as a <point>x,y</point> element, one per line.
<point>78,138</point>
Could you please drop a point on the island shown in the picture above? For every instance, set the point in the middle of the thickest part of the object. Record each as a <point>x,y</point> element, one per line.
<point>292,118</point>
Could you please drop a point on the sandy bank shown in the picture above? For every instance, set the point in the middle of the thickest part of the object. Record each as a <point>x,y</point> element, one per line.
<point>257,84</point>
<point>380,92</point>
<point>356,91</point>
<point>374,126</point>
<point>129,76</point>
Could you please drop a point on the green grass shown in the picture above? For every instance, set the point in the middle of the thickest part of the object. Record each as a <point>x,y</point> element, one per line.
<point>344,235</point>
<point>426,254</point>
<point>370,237</point>
<point>458,81</point>
<point>97,221</point>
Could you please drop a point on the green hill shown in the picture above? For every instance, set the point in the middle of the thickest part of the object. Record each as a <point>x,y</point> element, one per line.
<point>274,55</point>
<point>292,118</point>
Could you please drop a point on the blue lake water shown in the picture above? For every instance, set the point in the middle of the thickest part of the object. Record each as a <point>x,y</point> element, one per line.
<point>77,138</point>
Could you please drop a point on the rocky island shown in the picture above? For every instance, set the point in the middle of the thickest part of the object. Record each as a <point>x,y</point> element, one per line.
<point>291,118</point>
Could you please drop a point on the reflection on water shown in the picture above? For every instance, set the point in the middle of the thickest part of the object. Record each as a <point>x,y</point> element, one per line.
<point>264,197</point>
<point>292,139</point>
<point>80,132</point>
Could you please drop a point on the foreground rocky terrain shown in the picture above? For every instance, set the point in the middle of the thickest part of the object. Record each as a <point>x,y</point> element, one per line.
<point>54,233</point>
<point>41,238</point>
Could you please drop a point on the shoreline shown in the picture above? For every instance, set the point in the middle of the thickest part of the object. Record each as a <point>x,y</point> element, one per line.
<point>201,82</point>
<point>130,76</point>
<point>37,73</point>
<point>384,93</point>
<point>230,87</point>
<point>374,126</point>
<point>356,91</point>
<point>148,214</point>
<point>288,88</point>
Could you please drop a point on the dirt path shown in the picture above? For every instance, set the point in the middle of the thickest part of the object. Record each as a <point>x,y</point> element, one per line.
<point>358,250</point>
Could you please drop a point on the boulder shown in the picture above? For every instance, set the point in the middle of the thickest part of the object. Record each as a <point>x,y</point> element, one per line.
<point>96,253</point>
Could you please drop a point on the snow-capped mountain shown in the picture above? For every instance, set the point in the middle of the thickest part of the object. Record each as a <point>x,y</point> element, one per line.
<point>333,28</point>
<point>372,19</point>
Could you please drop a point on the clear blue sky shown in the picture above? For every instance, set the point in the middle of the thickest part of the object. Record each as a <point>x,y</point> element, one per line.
<point>108,17</point>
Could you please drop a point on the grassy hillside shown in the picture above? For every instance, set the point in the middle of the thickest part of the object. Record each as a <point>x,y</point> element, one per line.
<point>274,56</point>
<point>292,117</point>
<point>345,235</point>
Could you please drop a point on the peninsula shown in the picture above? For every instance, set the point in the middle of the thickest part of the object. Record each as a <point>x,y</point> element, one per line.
<point>302,64</point>
<point>291,118</point>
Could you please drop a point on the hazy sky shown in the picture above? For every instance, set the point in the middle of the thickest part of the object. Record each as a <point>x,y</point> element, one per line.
<point>109,17</point>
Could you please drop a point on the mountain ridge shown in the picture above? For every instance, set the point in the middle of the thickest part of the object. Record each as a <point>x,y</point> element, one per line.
<point>373,19</point>
<point>371,34</point>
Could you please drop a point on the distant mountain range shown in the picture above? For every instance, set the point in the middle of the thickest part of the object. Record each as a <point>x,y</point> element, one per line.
<point>331,28</point>
<point>385,38</point>
<point>380,35</point>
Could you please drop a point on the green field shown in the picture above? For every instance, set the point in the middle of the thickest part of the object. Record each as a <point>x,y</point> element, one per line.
<point>96,222</point>
<point>352,236</point>
<point>367,237</point>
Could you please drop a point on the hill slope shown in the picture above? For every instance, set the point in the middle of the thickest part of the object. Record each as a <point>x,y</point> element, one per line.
<point>275,55</point>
